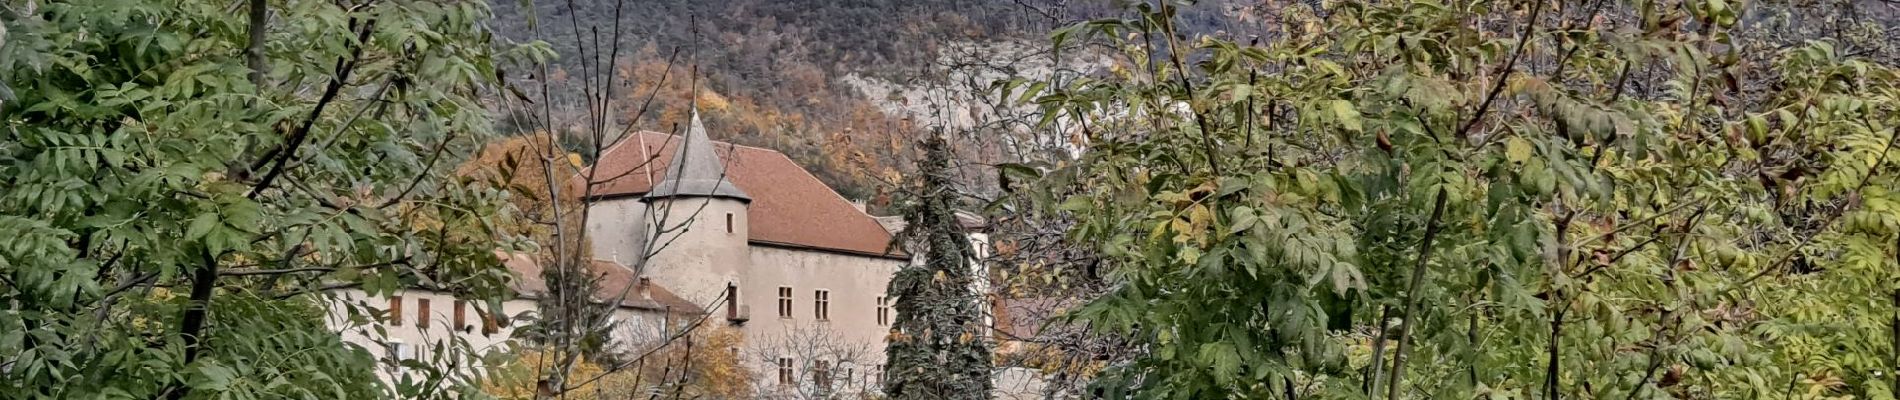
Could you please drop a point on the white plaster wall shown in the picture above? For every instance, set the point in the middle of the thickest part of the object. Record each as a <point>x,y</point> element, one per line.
<point>697,263</point>
<point>417,332</point>
<point>854,283</point>
<point>617,228</point>
<point>980,242</point>
<point>634,327</point>
<point>697,260</point>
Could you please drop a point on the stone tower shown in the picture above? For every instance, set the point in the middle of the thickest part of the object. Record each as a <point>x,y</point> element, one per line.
<point>698,217</point>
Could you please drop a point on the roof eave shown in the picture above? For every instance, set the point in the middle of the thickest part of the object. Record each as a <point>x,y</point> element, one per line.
<point>794,246</point>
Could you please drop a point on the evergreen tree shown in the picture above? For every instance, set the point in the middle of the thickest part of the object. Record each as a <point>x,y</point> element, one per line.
<point>937,349</point>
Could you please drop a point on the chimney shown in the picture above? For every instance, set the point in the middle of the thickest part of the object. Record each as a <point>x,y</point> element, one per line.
<point>641,288</point>
<point>859,204</point>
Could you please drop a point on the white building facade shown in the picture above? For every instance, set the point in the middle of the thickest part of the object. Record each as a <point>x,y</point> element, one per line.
<point>755,239</point>
<point>440,329</point>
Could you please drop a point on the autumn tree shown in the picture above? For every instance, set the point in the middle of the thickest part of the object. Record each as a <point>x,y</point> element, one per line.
<point>699,367</point>
<point>1532,199</point>
<point>811,361</point>
<point>938,347</point>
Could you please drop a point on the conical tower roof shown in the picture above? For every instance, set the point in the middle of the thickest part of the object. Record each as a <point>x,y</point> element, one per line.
<point>695,170</point>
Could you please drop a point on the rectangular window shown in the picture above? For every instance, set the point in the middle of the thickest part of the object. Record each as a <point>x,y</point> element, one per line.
<point>883,311</point>
<point>398,351</point>
<point>784,301</point>
<point>821,305</point>
<point>848,375</point>
<point>821,376</point>
<point>395,310</point>
<point>785,371</point>
<point>422,313</point>
<point>728,222</point>
<point>461,316</point>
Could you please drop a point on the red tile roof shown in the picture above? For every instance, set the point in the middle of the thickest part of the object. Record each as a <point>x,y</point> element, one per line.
<point>614,280</point>
<point>789,208</point>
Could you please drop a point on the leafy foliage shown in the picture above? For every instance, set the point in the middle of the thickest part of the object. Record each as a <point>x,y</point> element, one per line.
<point>170,214</point>
<point>1419,199</point>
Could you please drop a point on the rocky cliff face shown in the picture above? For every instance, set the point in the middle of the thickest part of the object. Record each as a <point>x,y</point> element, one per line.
<point>840,86</point>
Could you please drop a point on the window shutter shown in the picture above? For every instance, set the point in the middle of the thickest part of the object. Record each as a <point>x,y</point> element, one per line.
<point>395,310</point>
<point>461,318</point>
<point>422,313</point>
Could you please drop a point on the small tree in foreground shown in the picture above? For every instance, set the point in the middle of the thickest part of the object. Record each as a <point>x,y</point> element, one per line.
<point>179,188</point>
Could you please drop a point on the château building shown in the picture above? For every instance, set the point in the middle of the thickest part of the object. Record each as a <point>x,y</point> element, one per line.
<point>760,242</point>
<point>688,227</point>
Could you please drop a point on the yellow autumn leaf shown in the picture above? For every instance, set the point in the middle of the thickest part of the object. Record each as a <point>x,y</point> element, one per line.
<point>1198,217</point>
<point>1517,149</point>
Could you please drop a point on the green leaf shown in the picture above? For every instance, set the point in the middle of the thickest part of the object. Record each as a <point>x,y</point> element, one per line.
<point>1223,358</point>
<point>201,225</point>
<point>1347,114</point>
<point>214,377</point>
<point>1244,218</point>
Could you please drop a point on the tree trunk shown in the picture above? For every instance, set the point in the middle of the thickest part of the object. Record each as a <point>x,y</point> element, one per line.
<point>1411,295</point>
<point>1378,353</point>
<point>254,52</point>
<point>191,324</point>
<point>1551,368</point>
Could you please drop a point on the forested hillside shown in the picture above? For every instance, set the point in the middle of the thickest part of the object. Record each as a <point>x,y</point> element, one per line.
<point>769,68</point>
<point>772,71</point>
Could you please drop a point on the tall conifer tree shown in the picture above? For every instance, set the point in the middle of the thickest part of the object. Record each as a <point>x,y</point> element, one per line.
<point>937,349</point>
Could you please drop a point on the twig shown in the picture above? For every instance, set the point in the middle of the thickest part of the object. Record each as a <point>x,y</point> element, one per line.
<point>1200,118</point>
<point>1371,385</point>
<point>324,288</point>
<point>1509,67</point>
<point>426,167</point>
<point>1411,294</point>
<point>282,154</point>
<point>191,323</point>
<point>1892,136</point>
